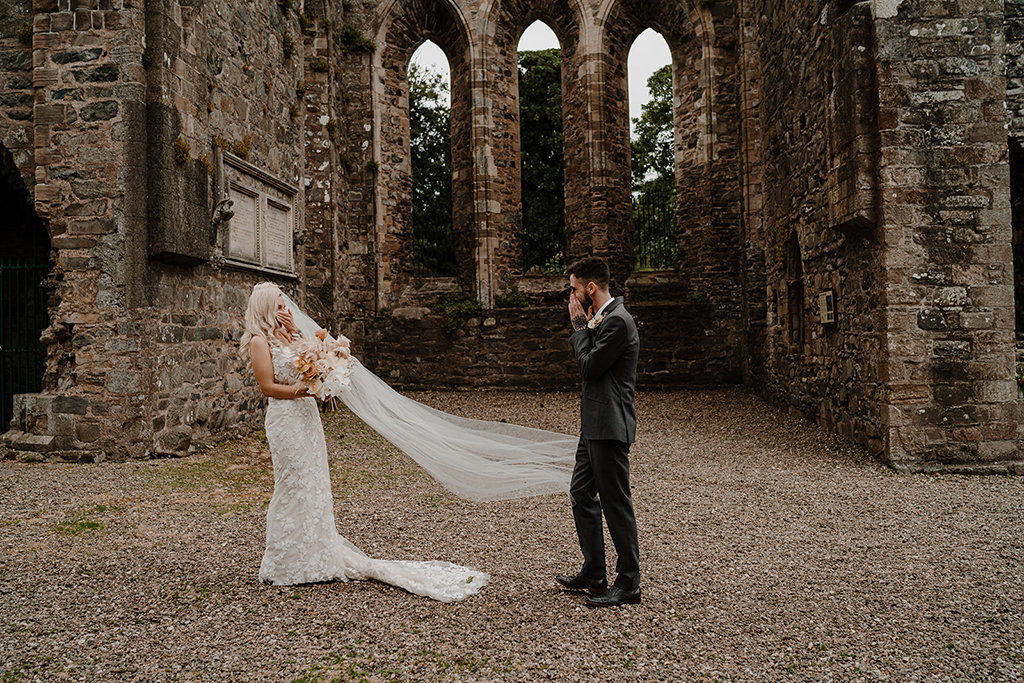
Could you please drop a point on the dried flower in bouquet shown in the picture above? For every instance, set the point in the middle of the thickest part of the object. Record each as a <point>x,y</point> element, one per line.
<point>323,364</point>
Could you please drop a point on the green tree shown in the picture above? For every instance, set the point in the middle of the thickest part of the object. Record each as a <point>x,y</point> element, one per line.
<point>653,146</point>
<point>654,185</point>
<point>430,140</point>
<point>540,132</point>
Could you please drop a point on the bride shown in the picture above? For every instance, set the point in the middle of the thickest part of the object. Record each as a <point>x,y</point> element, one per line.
<point>475,459</point>
<point>303,545</point>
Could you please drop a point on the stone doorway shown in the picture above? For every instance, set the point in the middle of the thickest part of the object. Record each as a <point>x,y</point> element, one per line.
<point>24,268</point>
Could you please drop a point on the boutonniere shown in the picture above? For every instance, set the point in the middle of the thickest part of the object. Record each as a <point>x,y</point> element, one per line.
<point>595,321</point>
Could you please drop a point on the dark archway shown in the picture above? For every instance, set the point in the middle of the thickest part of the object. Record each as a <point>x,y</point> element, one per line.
<point>24,265</point>
<point>1017,222</point>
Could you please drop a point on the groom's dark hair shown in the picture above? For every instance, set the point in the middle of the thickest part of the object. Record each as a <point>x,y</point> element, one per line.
<point>591,269</point>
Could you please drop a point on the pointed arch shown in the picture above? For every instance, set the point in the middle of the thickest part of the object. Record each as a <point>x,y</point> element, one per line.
<point>655,242</point>
<point>702,38</point>
<point>403,26</point>
<point>430,157</point>
<point>509,18</point>
<point>542,155</point>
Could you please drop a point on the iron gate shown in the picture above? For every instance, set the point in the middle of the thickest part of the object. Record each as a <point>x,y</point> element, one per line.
<point>23,316</point>
<point>654,227</point>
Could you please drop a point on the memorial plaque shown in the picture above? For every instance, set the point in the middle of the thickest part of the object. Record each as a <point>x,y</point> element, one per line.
<point>278,236</point>
<point>260,234</point>
<point>243,234</point>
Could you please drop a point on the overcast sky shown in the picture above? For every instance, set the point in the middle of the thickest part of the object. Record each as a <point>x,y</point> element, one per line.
<point>648,54</point>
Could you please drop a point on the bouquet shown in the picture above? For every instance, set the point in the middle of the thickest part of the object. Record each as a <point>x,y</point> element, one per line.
<point>323,364</point>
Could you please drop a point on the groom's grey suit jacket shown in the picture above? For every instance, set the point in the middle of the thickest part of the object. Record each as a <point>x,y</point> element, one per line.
<point>607,359</point>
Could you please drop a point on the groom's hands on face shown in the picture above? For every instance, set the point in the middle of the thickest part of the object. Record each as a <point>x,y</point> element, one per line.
<point>577,315</point>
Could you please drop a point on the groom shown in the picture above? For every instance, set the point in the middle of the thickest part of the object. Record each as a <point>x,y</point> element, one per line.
<point>606,344</point>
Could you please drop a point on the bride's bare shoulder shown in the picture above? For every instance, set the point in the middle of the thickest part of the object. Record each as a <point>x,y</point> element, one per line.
<point>258,343</point>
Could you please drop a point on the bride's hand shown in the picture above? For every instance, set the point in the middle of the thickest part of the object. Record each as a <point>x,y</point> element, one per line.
<point>300,391</point>
<point>284,319</point>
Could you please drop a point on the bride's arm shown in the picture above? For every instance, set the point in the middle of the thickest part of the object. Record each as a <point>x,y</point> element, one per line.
<point>263,369</point>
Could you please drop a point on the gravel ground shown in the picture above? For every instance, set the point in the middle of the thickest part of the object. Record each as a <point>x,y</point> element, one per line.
<point>770,551</point>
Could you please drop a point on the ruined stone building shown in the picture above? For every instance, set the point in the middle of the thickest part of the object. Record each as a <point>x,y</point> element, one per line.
<point>846,174</point>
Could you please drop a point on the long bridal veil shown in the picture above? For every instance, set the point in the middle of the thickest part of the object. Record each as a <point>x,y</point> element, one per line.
<point>474,459</point>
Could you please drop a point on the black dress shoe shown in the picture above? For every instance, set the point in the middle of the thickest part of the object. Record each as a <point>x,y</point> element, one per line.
<point>615,596</point>
<point>580,583</point>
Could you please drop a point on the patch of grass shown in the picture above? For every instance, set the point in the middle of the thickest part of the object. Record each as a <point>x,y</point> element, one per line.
<point>347,159</point>
<point>76,527</point>
<point>241,148</point>
<point>235,508</point>
<point>82,520</point>
<point>235,466</point>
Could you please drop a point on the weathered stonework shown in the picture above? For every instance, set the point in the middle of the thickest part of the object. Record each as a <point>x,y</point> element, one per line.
<point>852,148</point>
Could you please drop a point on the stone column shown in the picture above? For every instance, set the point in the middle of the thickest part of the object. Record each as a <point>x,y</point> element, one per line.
<point>950,398</point>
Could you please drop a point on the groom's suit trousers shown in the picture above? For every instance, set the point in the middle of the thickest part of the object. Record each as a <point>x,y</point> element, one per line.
<point>600,482</point>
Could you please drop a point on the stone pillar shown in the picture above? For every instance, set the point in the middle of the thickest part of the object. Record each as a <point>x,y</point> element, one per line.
<point>89,118</point>
<point>950,397</point>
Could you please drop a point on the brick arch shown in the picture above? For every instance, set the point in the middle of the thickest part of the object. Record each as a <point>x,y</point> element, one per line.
<point>509,18</point>
<point>404,26</point>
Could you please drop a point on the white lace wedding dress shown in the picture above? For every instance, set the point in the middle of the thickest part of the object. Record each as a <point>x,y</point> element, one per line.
<point>303,544</point>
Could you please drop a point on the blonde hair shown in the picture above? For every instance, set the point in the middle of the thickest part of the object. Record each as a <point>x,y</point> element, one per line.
<point>260,320</point>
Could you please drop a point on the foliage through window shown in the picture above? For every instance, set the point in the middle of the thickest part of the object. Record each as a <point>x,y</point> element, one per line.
<point>540,132</point>
<point>430,141</point>
<point>655,244</point>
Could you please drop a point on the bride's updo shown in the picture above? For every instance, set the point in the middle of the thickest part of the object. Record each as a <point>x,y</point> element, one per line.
<point>260,319</point>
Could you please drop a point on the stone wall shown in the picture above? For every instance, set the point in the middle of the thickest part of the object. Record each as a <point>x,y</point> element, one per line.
<point>884,153</point>
<point>807,129</point>
<point>529,347</point>
<point>16,94</point>
<point>949,323</point>
<point>143,342</point>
